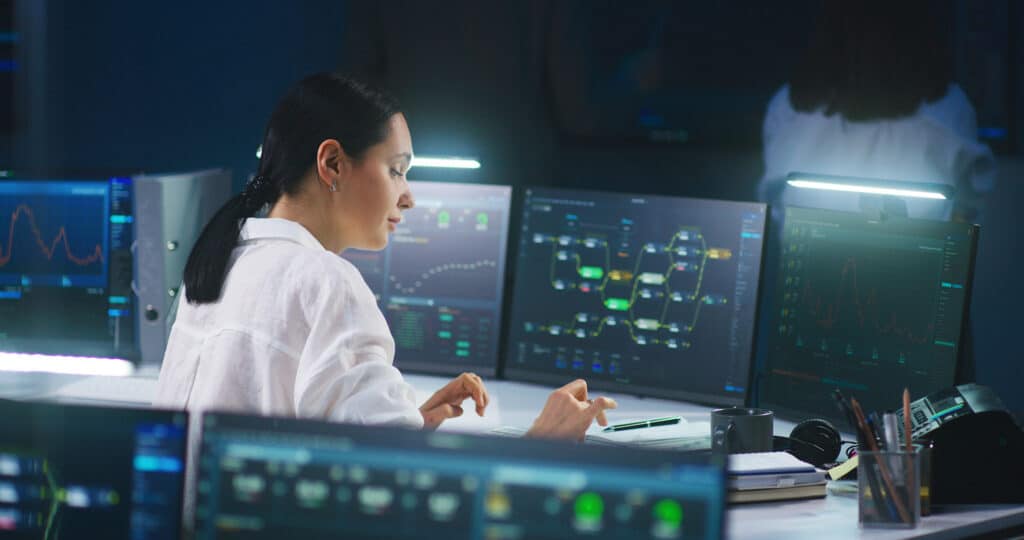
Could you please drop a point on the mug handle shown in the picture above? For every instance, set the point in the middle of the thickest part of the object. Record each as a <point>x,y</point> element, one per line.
<point>723,436</point>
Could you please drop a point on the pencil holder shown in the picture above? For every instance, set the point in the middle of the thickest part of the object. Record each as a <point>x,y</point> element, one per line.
<point>889,489</point>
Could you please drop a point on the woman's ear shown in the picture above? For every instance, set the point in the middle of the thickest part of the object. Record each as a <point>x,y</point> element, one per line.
<point>332,164</point>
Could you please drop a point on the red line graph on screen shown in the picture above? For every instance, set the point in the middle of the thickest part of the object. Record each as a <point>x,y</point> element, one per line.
<point>867,312</point>
<point>48,250</point>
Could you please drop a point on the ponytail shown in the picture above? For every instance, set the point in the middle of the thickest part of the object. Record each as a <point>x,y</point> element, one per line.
<point>320,107</point>
<point>208,262</point>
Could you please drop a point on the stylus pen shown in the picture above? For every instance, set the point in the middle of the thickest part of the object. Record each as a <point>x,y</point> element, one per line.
<point>644,423</point>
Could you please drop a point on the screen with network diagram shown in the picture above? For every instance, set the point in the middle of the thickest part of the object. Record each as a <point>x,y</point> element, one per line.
<point>441,279</point>
<point>66,267</point>
<point>69,471</point>
<point>274,477</point>
<point>867,306</point>
<point>643,294</point>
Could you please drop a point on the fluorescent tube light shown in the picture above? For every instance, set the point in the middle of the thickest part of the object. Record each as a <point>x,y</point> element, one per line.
<point>445,162</point>
<point>71,365</point>
<point>870,186</point>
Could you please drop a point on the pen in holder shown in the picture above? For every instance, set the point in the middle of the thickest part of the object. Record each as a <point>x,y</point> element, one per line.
<point>885,499</point>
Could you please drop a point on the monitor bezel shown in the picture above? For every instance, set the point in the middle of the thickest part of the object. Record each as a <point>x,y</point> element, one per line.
<point>134,353</point>
<point>118,415</point>
<point>796,414</point>
<point>510,373</point>
<point>492,369</point>
<point>502,449</point>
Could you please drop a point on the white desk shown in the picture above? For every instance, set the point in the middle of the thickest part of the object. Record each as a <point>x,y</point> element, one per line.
<point>517,404</point>
<point>834,517</point>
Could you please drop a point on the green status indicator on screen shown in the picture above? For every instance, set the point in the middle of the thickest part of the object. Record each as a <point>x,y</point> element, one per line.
<point>591,272</point>
<point>617,304</point>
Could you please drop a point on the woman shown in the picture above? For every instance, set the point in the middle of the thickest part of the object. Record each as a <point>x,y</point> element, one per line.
<point>276,323</point>
<point>874,97</point>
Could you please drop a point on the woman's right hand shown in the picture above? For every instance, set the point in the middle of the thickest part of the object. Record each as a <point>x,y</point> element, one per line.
<point>568,413</point>
<point>447,402</point>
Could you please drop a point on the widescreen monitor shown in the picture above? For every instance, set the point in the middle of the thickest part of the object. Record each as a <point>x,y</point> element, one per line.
<point>90,472</point>
<point>66,268</point>
<point>649,295</point>
<point>865,305</point>
<point>278,478</point>
<point>441,279</point>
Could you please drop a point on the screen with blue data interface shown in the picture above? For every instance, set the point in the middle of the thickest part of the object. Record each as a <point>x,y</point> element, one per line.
<point>90,472</point>
<point>66,267</point>
<point>636,293</point>
<point>441,279</point>
<point>867,306</point>
<point>276,478</point>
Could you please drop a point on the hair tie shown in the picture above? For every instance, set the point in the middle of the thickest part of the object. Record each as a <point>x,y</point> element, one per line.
<point>258,192</point>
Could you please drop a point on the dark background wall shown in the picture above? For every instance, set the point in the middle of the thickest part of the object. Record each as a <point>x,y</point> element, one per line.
<point>123,86</point>
<point>131,86</point>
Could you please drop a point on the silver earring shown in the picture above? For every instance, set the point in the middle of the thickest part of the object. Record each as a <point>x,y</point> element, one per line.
<point>334,187</point>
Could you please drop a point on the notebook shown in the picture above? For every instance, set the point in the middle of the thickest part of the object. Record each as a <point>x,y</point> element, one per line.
<point>771,476</point>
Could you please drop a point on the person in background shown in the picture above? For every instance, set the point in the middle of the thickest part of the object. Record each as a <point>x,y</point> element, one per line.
<point>276,323</point>
<point>874,97</point>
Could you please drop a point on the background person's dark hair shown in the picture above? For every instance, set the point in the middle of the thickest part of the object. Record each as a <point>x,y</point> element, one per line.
<point>320,107</point>
<point>874,59</point>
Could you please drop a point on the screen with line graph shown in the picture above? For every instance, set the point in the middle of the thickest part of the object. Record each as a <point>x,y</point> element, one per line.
<point>867,306</point>
<point>66,267</point>
<point>440,281</point>
<point>70,471</point>
<point>643,294</point>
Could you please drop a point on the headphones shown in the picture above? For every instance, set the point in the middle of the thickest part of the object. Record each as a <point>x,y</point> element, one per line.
<point>815,441</point>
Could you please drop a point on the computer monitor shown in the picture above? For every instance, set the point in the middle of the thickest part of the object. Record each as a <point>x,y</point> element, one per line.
<point>440,281</point>
<point>66,268</point>
<point>643,294</point>
<point>271,478</point>
<point>90,472</point>
<point>869,306</point>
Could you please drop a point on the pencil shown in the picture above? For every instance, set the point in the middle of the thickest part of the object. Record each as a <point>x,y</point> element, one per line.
<point>882,467</point>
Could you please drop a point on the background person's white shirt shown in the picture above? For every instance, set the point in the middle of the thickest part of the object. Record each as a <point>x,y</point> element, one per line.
<point>296,332</point>
<point>936,144</point>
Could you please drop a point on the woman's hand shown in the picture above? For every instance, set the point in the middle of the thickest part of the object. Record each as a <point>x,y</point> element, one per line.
<point>568,413</point>
<point>447,402</point>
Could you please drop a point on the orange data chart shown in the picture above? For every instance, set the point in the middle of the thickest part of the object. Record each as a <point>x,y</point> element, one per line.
<point>56,235</point>
<point>66,267</point>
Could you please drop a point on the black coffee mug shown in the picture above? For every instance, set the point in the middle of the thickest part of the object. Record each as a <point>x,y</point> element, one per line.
<point>738,430</point>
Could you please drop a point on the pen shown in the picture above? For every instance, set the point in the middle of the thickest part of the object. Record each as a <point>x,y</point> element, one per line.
<point>906,420</point>
<point>892,444</point>
<point>890,434</point>
<point>644,423</point>
<point>907,437</point>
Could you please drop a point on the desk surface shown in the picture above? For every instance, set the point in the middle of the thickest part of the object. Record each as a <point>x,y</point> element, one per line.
<point>517,404</point>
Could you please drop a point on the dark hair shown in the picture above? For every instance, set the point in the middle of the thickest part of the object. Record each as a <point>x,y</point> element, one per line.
<point>874,59</point>
<point>320,107</point>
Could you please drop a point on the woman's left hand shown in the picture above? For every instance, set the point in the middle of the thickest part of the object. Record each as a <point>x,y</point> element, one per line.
<point>447,402</point>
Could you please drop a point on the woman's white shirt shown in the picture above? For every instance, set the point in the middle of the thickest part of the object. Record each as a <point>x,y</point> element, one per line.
<point>936,144</point>
<point>296,332</point>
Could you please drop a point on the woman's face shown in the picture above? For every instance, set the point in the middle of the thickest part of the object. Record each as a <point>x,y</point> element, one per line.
<point>377,191</point>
